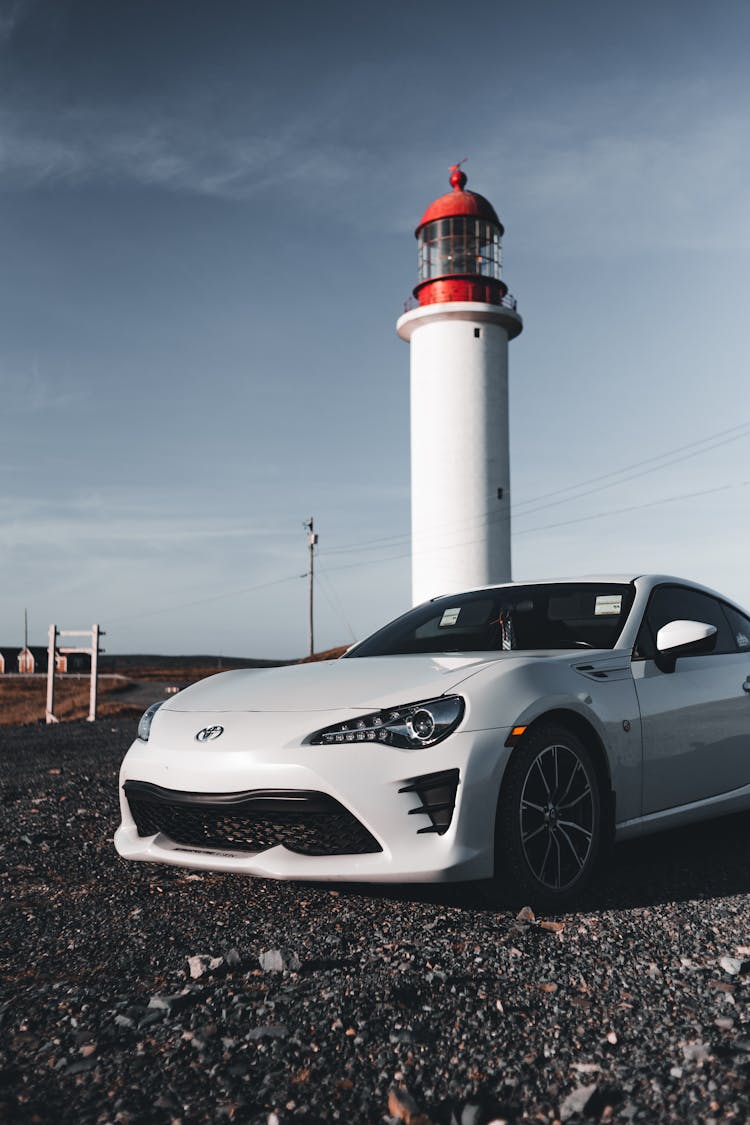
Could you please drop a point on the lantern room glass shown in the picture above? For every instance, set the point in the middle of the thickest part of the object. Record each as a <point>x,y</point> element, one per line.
<point>459,245</point>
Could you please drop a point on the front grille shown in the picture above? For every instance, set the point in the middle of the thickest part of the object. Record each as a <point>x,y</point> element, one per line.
<point>304,821</point>
<point>437,796</point>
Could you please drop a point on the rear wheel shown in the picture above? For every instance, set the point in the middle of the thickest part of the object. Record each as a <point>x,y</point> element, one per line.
<point>548,833</point>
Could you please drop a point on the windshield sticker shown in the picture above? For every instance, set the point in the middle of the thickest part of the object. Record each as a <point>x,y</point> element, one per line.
<point>450,617</point>
<point>608,605</point>
<point>742,641</point>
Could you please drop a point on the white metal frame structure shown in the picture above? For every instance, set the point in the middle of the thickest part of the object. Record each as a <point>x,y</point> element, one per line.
<point>95,632</point>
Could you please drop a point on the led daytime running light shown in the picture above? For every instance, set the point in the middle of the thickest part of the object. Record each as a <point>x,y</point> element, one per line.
<point>408,727</point>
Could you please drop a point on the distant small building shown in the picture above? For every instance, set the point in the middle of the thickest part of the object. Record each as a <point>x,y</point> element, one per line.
<point>33,659</point>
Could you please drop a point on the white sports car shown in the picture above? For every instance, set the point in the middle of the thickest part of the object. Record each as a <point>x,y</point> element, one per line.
<point>507,733</point>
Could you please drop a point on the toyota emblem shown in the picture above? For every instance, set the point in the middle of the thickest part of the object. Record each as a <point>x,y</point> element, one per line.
<point>208,734</point>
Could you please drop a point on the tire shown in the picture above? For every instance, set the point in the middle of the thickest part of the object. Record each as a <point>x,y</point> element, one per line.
<point>548,830</point>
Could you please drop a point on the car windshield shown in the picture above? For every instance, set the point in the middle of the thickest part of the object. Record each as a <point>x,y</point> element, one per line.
<point>541,616</point>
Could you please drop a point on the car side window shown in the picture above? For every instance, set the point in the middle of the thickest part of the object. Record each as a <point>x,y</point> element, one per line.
<point>740,626</point>
<point>677,603</point>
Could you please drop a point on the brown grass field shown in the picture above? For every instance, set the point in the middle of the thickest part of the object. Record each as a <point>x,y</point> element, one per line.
<point>23,698</point>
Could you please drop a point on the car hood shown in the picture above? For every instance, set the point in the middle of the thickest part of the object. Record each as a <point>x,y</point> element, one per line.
<point>363,683</point>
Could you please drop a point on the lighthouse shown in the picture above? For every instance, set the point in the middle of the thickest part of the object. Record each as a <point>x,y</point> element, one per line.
<point>458,335</point>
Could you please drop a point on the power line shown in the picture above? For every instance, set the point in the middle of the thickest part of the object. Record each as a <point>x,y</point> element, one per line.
<point>631,476</point>
<point>331,596</point>
<point>657,462</point>
<point>635,507</point>
<point>204,601</point>
<point>564,523</point>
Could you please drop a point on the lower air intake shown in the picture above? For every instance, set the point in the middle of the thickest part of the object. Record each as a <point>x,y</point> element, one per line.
<point>304,821</point>
<point>437,796</point>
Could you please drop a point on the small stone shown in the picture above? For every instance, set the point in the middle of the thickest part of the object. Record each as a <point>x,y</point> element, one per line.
<point>161,1003</point>
<point>731,965</point>
<point>124,1021</point>
<point>525,914</point>
<point>174,1003</point>
<point>576,1101</point>
<point>197,966</point>
<point>80,1067</point>
<point>152,1017</point>
<point>268,1031</point>
<point>401,1104</point>
<point>696,1053</point>
<point>201,964</point>
<point>279,961</point>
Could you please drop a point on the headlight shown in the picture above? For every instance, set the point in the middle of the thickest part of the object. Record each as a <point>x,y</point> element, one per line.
<point>411,726</point>
<point>147,718</point>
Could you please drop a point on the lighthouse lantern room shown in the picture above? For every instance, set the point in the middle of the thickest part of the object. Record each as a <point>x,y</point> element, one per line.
<point>458,335</point>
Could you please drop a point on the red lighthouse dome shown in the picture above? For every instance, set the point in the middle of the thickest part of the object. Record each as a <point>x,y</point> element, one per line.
<point>460,248</point>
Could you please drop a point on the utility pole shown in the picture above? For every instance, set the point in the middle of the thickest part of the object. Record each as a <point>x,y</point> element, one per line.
<point>312,539</point>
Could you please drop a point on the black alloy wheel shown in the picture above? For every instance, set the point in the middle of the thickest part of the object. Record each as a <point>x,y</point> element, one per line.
<point>549,818</point>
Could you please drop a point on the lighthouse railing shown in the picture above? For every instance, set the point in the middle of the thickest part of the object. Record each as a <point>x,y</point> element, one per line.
<point>508,301</point>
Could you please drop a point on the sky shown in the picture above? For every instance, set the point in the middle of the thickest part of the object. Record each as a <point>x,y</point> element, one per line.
<point>207,215</point>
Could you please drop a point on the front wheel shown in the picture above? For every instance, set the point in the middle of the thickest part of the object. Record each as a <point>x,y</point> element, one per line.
<point>548,832</point>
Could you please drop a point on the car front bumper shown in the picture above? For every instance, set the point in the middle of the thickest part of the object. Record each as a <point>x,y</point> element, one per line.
<point>380,787</point>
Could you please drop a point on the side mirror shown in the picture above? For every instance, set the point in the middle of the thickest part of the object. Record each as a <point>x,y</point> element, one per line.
<point>683,638</point>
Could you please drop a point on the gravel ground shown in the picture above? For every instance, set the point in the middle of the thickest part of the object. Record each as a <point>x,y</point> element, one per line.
<point>136,993</point>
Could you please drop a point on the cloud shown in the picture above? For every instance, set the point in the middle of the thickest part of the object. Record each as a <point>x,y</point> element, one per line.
<point>625,171</point>
<point>172,152</point>
<point>29,392</point>
<point>11,16</point>
<point>610,169</point>
<point>111,521</point>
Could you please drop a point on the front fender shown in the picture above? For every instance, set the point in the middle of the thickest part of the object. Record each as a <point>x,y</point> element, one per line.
<point>528,691</point>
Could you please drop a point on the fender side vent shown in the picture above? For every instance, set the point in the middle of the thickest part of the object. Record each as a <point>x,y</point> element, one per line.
<point>592,673</point>
<point>437,799</point>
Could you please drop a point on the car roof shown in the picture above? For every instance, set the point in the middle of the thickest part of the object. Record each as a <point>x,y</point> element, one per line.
<point>639,577</point>
<point>569,579</point>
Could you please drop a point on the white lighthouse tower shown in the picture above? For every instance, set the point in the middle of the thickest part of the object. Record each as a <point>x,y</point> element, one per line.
<point>458,335</point>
